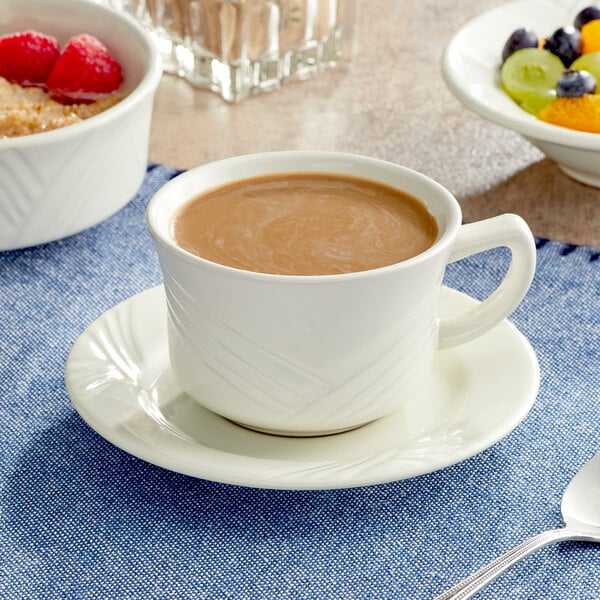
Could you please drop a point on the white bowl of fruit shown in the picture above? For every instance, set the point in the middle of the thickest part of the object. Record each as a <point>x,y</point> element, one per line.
<point>77,84</point>
<point>534,66</point>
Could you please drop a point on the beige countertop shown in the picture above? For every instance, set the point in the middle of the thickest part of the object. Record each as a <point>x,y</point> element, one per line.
<point>389,102</point>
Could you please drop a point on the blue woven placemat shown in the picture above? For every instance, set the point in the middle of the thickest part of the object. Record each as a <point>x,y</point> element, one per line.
<point>80,518</point>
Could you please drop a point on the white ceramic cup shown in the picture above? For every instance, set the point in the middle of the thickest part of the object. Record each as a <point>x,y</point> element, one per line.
<point>310,355</point>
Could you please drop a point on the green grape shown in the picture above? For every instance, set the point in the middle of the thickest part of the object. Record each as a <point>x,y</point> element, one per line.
<point>591,63</point>
<point>530,70</point>
<point>538,100</point>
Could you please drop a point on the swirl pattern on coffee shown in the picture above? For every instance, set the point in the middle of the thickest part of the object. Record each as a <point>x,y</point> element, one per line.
<point>304,224</point>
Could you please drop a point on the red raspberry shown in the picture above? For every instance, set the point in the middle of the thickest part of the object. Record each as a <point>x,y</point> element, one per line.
<point>28,57</point>
<point>84,72</point>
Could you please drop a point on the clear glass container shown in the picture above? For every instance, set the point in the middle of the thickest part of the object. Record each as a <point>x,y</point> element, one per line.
<point>238,47</point>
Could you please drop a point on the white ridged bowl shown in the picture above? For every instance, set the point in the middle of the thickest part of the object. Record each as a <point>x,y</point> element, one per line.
<point>60,182</point>
<point>471,69</point>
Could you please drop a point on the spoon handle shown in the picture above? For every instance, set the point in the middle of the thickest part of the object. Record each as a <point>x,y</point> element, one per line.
<point>473,583</point>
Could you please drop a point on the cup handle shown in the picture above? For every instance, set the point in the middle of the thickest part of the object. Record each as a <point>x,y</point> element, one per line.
<point>504,230</point>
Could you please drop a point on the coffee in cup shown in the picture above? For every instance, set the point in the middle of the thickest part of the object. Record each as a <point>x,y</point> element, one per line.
<point>304,224</point>
<point>312,354</point>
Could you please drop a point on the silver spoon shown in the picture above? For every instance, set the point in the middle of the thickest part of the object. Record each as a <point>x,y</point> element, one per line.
<point>580,509</point>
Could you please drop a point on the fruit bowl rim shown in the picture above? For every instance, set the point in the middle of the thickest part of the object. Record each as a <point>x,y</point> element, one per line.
<point>471,69</point>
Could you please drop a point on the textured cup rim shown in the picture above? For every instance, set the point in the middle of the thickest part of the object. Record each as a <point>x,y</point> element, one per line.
<point>159,234</point>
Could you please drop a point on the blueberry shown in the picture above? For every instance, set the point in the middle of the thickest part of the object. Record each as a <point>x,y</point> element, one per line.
<point>591,13</point>
<point>565,43</point>
<point>574,84</point>
<point>519,39</point>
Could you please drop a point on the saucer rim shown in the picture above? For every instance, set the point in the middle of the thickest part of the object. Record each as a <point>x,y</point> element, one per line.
<point>259,472</point>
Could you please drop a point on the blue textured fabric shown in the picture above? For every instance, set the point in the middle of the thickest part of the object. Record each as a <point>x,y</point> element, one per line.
<point>80,518</point>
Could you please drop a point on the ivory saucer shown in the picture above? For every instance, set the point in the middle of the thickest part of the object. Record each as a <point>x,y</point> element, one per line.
<point>120,381</point>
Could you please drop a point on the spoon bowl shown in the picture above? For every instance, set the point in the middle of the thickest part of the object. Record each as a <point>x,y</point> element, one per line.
<point>580,507</point>
<point>580,510</point>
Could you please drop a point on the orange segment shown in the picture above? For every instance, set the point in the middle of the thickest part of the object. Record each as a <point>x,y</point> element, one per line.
<point>590,37</point>
<point>581,113</point>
